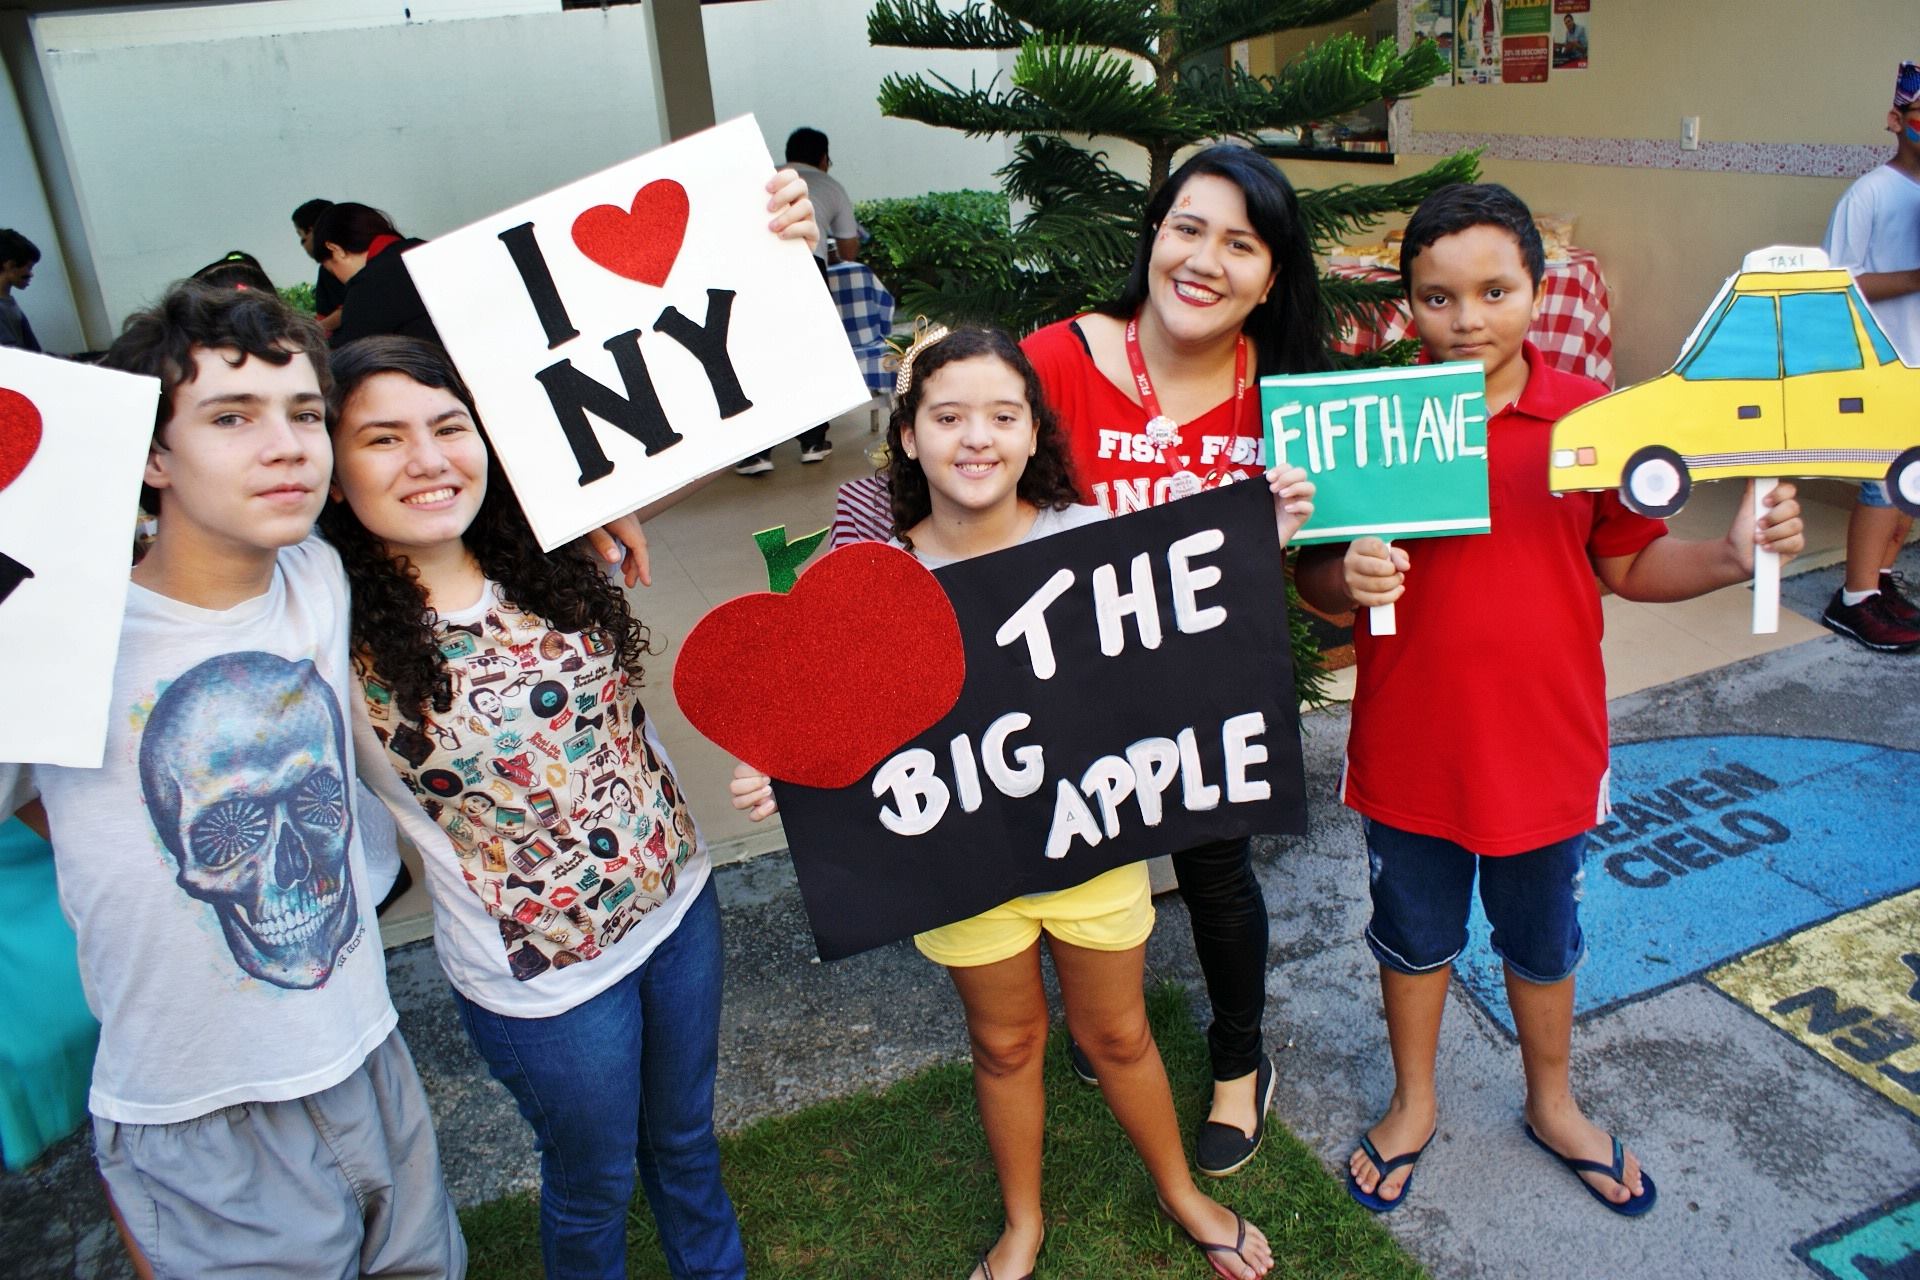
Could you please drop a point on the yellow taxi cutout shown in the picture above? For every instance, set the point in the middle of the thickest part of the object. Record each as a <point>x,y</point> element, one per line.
<point>1787,374</point>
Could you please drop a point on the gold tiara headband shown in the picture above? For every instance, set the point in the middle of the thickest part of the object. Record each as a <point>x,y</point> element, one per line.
<point>925,334</point>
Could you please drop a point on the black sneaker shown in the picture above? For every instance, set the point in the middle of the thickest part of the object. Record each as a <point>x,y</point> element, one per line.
<point>1872,623</point>
<point>1894,597</point>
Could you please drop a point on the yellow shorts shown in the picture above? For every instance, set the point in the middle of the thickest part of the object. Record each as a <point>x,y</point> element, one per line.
<point>1111,912</point>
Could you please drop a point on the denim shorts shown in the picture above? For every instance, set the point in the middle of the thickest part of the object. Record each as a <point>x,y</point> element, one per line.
<point>1873,493</point>
<point>1422,888</point>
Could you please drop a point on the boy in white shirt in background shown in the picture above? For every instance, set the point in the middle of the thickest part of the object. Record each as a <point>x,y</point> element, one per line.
<point>1875,233</point>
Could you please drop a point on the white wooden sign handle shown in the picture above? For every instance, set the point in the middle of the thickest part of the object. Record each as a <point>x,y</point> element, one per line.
<point>1766,570</point>
<point>1380,618</point>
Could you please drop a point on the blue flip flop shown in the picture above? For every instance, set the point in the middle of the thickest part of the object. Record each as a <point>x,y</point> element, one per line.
<point>1386,1168</point>
<point>1631,1208</point>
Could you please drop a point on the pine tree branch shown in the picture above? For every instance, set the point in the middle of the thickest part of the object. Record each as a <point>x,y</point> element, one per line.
<point>1047,168</point>
<point>1214,24</point>
<point>1355,302</point>
<point>936,100</point>
<point>923,24</point>
<point>1334,213</point>
<point>1341,74</point>
<point>1131,25</point>
<point>1099,93</point>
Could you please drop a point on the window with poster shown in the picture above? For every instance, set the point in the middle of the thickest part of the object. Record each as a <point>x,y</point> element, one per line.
<point>1360,136</point>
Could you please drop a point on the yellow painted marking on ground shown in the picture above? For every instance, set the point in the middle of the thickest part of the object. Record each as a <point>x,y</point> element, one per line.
<point>1849,990</point>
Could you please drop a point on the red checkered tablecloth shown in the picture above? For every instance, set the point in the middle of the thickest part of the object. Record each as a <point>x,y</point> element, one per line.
<point>1574,328</point>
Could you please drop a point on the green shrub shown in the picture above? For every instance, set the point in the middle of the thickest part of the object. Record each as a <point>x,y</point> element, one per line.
<point>298,296</point>
<point>915,238</point>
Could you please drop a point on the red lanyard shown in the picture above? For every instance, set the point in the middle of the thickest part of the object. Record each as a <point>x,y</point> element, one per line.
<point>1162,431</point>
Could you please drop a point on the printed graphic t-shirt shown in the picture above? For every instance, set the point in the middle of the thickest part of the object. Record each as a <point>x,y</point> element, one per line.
<point>557,844</point>
<point>1115,463</point>
<point>212,866</point>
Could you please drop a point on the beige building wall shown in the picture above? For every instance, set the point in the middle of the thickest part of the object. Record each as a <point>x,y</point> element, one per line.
<point>1757,71</point>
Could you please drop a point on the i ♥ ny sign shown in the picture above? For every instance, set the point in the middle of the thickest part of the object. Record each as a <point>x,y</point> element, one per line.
<point>73,442</point>
<point>637,329</point>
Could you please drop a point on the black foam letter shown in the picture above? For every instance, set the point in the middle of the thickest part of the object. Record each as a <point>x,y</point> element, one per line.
<point>12,574</point>
<point>538,281</point>
<point>708,343</point>
<point>638,413</point>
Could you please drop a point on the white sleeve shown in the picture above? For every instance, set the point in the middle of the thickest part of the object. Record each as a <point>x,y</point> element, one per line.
<point>1850,230</point>
<point>17,787</point>
<point>840,222</point>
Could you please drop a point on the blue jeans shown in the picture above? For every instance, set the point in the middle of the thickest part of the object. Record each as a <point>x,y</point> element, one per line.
<point>626,1080</point>
<point>1422,889</point>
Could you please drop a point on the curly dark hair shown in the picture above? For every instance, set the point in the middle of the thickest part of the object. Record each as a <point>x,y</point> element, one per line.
<point>1048,480</point>
<point>159,341</point>
<point>393,625</point>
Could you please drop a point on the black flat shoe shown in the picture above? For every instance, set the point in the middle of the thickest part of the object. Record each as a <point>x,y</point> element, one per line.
<point>1082,1065</point>
<point>1223,1149</point>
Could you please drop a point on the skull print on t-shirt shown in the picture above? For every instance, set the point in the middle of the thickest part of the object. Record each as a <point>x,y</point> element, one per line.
<point>243,768</point>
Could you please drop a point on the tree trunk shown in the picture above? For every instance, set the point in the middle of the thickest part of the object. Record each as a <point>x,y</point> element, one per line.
<point>1166,80</point>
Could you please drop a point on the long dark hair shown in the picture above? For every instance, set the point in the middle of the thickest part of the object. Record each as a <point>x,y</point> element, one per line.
<point>1047,481</point>
<point>392,623</point>
<point>1289,328</point>
<point>351,226</point>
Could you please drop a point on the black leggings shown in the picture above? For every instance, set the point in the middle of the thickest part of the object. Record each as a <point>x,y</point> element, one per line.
<point>1229,918</point>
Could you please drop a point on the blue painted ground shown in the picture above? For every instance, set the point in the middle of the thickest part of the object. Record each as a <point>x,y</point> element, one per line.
<point>1885,1246</point>
<point>1719,844</point>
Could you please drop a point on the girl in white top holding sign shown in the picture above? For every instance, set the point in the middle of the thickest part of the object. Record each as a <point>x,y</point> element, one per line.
<point>979,464</point>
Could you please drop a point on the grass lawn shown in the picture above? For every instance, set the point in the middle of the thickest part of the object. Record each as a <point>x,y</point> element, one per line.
<point>900,1184</point>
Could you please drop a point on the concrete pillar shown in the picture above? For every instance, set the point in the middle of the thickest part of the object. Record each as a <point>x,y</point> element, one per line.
<point>679,52</point>
<point>37,200</point>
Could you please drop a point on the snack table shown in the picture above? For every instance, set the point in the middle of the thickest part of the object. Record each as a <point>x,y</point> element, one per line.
<point>1574,329</point>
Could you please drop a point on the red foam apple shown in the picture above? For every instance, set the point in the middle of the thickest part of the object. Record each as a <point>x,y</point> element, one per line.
<point>821,684</point>
<point>640,242</point>
<point>19,434</point>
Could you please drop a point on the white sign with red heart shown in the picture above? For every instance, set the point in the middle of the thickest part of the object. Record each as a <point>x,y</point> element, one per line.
<point>638,329</point>
<point>73,442</point>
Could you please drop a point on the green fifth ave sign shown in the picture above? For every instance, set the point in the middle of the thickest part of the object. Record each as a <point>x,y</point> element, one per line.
<point>1396,453</point>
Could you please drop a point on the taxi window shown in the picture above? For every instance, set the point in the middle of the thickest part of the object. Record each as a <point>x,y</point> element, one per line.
<point>1816,330</point>
<point>1745,344</point>
<point>1882,349</point>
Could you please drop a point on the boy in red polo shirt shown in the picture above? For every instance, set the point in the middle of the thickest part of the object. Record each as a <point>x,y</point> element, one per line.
<point>1479,732</point>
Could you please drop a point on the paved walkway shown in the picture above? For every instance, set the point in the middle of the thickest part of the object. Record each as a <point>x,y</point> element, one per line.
<point>1749,1014</point>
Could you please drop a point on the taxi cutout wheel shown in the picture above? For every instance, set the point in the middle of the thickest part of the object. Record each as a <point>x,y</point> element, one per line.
<point>1903,481</point>
<point>1655,482</point>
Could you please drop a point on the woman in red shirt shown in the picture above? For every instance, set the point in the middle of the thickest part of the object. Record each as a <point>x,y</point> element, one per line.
<point>1158,393</point>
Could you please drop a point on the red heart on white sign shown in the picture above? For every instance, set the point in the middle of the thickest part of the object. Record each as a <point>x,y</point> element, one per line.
<point>19,434</point>
<point>639,243</point>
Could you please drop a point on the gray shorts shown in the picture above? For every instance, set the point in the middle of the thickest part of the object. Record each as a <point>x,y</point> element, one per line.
<point>342,1183</point>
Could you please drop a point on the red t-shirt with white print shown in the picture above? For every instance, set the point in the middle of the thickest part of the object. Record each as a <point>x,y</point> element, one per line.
<point>1114,463</point>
